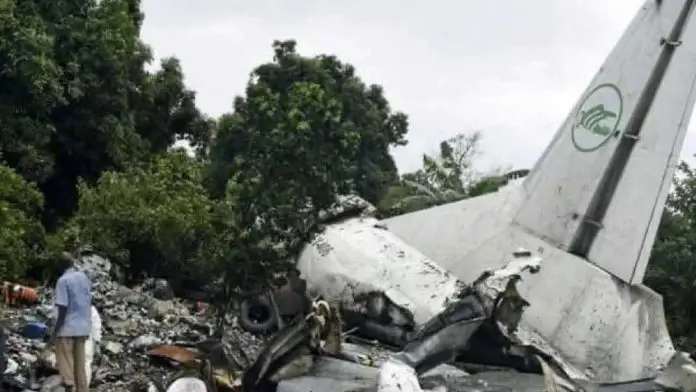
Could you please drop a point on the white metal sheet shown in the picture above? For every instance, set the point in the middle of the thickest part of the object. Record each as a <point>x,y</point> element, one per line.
<point>563,183</point>
<point>624,243</point>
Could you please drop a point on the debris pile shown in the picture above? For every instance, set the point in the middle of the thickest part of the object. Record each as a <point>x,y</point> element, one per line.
<point>134,321</point>
<point>379,317</point>
<point>312,353</point>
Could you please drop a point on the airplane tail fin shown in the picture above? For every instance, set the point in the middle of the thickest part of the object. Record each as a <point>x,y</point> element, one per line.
<point>599,189</point>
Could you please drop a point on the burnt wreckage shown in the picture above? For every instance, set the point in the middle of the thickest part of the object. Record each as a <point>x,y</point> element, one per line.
<point>333,347</point>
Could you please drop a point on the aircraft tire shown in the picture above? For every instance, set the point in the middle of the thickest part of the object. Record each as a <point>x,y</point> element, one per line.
<point>250,308</point>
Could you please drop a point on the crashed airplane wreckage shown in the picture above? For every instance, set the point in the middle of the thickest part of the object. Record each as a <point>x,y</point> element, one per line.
<point>579,321</point>
<point>475,325</point>
<point>310,353</point>
<point>590,206</point>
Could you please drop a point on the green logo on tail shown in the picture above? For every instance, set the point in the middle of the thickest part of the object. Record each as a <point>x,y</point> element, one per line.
<point>597,118</point>
<point>592,120</point>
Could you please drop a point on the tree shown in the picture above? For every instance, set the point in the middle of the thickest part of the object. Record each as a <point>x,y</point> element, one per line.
<point>76,97</point>
<point>286,152</point>
<point>671,270</point>
<point>31,89</point>
<point>22,236</point>
<point>360,108</point>
<point>167,112</point>
<point>150,218</point>
<point>440,181</point>
<point>445,178</point>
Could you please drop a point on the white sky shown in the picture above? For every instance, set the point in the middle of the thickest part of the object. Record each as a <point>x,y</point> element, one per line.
<point>509,68</point>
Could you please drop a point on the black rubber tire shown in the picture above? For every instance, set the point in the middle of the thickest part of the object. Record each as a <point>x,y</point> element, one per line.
<point>247,322</point>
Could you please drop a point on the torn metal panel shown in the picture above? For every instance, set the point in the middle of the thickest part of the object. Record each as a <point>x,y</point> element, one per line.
<point>679,374</point>
<point>592,202</point>
<point>332,375</point>
<point>492,300</point>
<point>610,330</point>
<point>289,352</point>
<point>354,258</point>
<point>396,376</point>
<point>335,375</point>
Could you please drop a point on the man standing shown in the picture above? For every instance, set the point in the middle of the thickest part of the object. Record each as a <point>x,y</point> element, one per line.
<point>73,325</point>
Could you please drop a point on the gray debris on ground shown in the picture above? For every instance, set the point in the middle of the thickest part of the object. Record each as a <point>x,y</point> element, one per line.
<point>133,320</point>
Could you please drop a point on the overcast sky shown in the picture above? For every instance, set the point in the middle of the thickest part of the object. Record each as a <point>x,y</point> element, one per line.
<point>509,68</point>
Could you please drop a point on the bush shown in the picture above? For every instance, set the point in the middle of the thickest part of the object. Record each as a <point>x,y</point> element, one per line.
<point>149,219</point>
<point>22,237</point>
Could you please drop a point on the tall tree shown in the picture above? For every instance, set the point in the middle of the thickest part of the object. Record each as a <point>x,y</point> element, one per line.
<point>150,218</point>
<point>446,177</point>
<point>283,156</point>
<point>358,107</point>
<point>22,236</point>
<point>76,97</point>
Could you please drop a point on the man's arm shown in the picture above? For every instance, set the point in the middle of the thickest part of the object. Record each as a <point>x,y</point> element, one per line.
<point>62,310</point>
<point>62,307</point>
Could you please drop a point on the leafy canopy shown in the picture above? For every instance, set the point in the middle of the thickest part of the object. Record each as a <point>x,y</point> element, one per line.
<point>22,236</point>
<point>347,105</point>
<point>671,269</point>
<point>149,218</point>
<point>285,153</point>
<point>445,178</point>
<point>77,100</point>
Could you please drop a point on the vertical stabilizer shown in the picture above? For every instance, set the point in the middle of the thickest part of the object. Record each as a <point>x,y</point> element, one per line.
<point>596,194</point>
<point>599,189</point>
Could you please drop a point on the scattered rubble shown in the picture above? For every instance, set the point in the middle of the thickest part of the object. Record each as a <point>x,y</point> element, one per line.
<point>386,321</point>
<point>135,320</point>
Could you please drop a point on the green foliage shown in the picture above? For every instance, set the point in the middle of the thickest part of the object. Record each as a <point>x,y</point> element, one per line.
<point>31,88</point>
<point>167,111</point>
<point>486,185</point>
<point>671,270</point>
<point>77,100</point>
<point>446,178</point>
<point>84,121</point>
<point>288,149</point>
<point>149,218</point>
<point>22,236</point>
<point>347,102</point>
